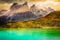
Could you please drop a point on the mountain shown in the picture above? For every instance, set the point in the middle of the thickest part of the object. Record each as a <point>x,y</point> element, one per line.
<point>49,9</point>
<point>16,6</point>
<point>36,11</point>
<point>25,16</point>
<point>51,20</point>
<point>41,12</point>
<point>21,12</point>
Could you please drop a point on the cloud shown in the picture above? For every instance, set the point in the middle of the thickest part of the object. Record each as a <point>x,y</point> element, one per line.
<point>3,1</point>
<point>7,0</point>
<point>19,0</point>
<point>57,0</point>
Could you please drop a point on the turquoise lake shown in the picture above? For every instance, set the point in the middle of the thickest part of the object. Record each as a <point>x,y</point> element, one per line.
<point>30,34</point>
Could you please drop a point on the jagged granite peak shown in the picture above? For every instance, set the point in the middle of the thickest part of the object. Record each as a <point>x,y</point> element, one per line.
<point>15,6</point>
<point>35,11</point>
<point>42,12</point>
<point>25,3</point>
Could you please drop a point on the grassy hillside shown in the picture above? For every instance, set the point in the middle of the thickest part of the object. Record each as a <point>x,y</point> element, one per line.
<point>51,20</point>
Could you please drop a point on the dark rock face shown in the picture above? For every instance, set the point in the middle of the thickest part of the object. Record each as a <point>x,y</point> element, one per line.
<point>3,20</point>
<point>24,16</point>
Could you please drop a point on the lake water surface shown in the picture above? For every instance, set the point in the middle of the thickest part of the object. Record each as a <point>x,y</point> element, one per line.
<point>30,34</point>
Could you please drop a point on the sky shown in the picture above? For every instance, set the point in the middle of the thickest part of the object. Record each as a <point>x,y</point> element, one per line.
<point>55,4</point>
<point>27,0</point>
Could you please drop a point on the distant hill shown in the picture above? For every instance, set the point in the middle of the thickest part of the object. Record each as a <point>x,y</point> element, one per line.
<point>52,20</point>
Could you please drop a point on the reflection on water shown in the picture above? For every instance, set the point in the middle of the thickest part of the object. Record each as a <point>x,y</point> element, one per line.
<point>30,34</point>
